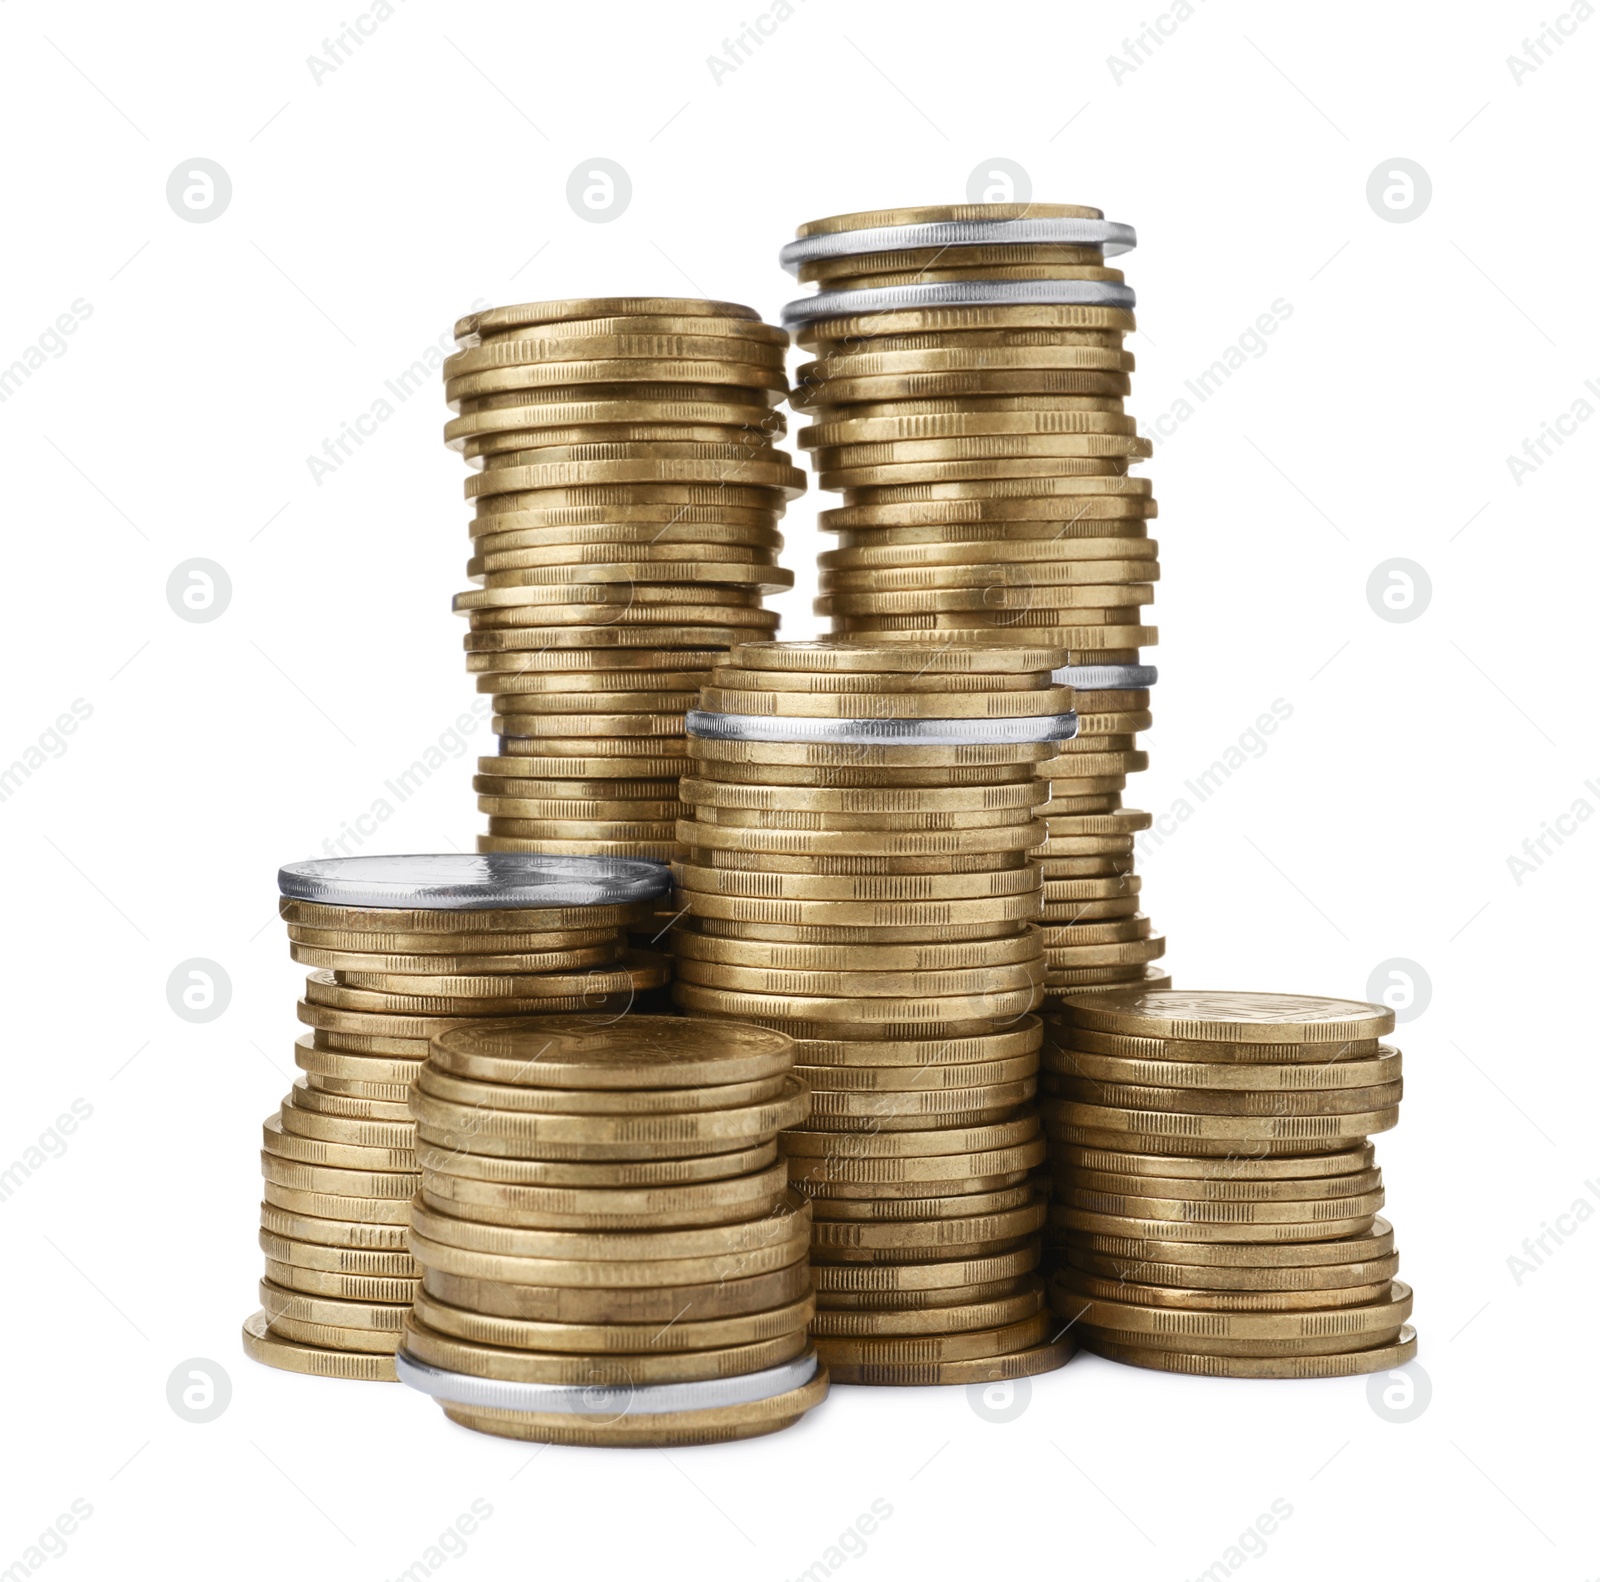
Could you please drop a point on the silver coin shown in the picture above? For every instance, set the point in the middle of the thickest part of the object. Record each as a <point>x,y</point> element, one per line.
<point>1109,234</point>
<point>1104,678</point>
<point>872,733</point>
<point>462,881</point>
<point>605,1402</point>
<point>956,294</point>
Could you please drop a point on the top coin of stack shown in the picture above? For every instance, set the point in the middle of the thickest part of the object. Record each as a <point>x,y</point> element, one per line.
<point>856,875</point>
<point>611,1254</point>
<point>405,948</point>
<point>967,394</point>
<point>626,497</point>
<point>1216,1199</point>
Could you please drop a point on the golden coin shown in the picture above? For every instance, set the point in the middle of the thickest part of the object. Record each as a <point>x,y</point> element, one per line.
<point>619,1343</point>
<point>930,1276</point>
<point>342,1287</point>
<point>956,565</point>
<point>907,1110</point>
<point>1220,1212</point>
<point>1325,1284</point>
<point>843,1174</point>
<point>725,464</point>
<point>986,839</point>
<point>873,683</point>
<point>280,1304</point>
<point>805,1144</point>
<point>971,382</point>
<point>1134,925</point>
<point>899,1081</point>
<point>826,820</point>
<point>606,634</point>
<point>906,889</point>
<point>1021,1039</point>
<point>829,655</point>
<point>657,1306</point>
<point>560,833</point>
<point>565,813</point>
<point>1125,1046</point>
<point>598,1371</point>
<point>889,705</point>
<point>1307,1130</point>
<point>861,982</point>
<point>752,864</point>
<point>966,320</point>
<point>991,1007</point>
<point>581,422</point>
<point>1240,1256</point>
<point>891,921</point>
<point>1065,1218</point>
<point>557,347</point>
<point>580,920</point>
<point>373,1263</point>
<point>752,382</point>
<point>315,1100</point>
<point>1373,1359</point>
<point>1223,1189</point>
<point>791,1219</point>
<point>380,1187</point>
<point>946,426</point>
<point>1302,1076</point>
<point>929,1235</point>
<point>328,1231</point>
<point>354,1088</point>
<point>474,964</point>
<point>922,1301</point>
<point>690,944</point>
<point>499,1203</point>
<point>1242,1166</point>
<point>612,1274</point>
<point>597,1101</point>
<point>942,1347</point>
<point>261,1345</point>
<point>656,1170</point>
<point>489,321</point>
<point>334,1337</point>
<point>1236,1101</point>
<point>816,380</point>
<point>285,1144</point>
<point>942,1319</point>
<point>443,944</point>
<point>654,1052</point>
<point>1059,958</point>
<point>1233,1017</point>
<point>1044,1358</point>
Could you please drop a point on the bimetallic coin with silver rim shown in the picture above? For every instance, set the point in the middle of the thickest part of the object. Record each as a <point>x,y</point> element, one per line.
<point>866,733</point>
<point>1111,235</point>
<point>1105,678</point>
<point>459,881</point>
<point>605,1403</point>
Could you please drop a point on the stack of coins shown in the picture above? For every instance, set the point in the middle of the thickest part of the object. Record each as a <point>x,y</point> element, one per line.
<point>627,502</point>
<point>1095,934</point>
<point>408,947</point>
<point>610,1252</point>
<point>1216,1202</point>
<point>968,400</point>
<point>856,874</point>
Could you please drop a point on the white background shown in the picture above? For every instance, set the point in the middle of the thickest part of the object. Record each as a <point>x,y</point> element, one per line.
<point>370,209</point>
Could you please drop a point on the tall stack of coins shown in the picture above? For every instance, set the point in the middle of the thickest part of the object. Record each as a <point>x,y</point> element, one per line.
<point>967,392</point>
<point>610,1252</point>
<point>1216,1201</point>
<point>856,874</point>
<point>405,948</point>
<point>626,506</point>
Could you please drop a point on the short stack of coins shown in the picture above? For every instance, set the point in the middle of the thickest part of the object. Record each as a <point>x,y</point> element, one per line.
<point>405,948</point>
<point>856,874</point>
<point>1215,1206</point>
<point>967,396</point>
<point>626,507</point>
<point>610,1251</point>
<point>1095,934</point>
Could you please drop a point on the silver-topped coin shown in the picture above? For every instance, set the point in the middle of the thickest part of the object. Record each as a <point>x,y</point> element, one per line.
<point>881,733</point>
<point>956,294</point>
<point>461,881</point>
<point>1109,234</point>
<point>1105,678</point>
<point>606,1402</point>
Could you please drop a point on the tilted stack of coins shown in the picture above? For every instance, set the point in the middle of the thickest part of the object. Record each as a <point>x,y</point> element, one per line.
<point>967,396</point>
<point>856,875</point>
<point>1216,1199</point>
<point>610,1252</point>
<point>408,947</point>
<point>625,530</point>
